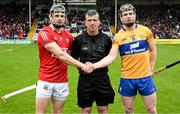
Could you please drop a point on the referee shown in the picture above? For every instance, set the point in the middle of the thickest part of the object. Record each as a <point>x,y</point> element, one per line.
<point>92,46</point>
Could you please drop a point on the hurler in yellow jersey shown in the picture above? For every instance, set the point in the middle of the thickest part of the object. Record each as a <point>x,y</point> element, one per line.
<point>137,48</point>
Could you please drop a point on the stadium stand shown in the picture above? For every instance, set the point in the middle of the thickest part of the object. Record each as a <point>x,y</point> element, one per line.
<point>163,20</point>
<point>75,21</point>
<point>13,21</point>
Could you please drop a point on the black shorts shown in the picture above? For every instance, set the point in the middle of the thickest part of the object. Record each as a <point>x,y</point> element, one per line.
<point>94,88</point>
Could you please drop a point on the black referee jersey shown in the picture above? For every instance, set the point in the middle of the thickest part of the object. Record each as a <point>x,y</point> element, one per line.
<point>88,48</point>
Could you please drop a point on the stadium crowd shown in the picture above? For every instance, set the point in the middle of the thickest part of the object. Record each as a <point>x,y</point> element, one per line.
<point>14,22</point>
<point>75,22</point>
<point>163,20</point>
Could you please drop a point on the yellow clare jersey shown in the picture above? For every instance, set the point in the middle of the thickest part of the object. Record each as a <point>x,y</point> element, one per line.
<point>134,52</point>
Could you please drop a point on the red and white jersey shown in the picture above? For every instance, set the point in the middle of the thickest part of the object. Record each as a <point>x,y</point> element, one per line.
<point>52,69</point>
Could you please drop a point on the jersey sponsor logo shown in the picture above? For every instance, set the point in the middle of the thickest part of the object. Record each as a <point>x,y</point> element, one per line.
<point>44,36</point>
<point>133,47</point>
<point>137,51</point>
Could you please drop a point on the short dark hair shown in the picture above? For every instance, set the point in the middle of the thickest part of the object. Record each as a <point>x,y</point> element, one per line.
<point>57,8</point>
<point>91,13</point>
<point>126,7</point>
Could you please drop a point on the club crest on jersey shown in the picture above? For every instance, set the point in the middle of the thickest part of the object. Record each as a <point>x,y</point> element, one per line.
<point>133,37</point>
<point>60,38</point>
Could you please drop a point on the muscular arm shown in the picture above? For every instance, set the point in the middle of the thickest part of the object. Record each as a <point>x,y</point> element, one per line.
<point>153,53</point>
<point>108,59</point>
<point>63,56</point>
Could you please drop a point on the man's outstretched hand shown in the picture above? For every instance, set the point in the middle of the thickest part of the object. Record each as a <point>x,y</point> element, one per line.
<point>88,67</point>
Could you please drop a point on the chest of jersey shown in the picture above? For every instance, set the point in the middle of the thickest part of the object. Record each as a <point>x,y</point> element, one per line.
<point>63,41</point>
<point>93,49</point>
<point>132,43</point>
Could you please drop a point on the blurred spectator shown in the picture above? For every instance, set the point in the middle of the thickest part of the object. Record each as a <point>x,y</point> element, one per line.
<point>14,21</point>
<point>162,20</point>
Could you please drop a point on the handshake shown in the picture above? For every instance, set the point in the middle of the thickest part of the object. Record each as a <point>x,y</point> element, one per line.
<point>88,67</point>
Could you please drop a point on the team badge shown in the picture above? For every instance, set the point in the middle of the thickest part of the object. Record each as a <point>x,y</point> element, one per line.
<point>60,38</point>
<point>133,37</point>
<point>45,87</point>
<point>64,90</point>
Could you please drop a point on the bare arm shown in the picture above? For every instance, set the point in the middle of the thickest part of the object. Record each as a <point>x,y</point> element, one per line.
<point>108,59</point>
<point>63,56</point>
<point>153,53</point>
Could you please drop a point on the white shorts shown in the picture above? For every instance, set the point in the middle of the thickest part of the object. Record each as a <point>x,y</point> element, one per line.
<point>58,91</point>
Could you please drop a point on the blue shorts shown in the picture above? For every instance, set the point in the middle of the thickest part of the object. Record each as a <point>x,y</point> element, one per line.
<point>129,87</point>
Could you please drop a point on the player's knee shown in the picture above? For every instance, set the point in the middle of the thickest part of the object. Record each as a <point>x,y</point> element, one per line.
<point>56,111</point>
<point>40,112</point>
<point>152,110</point>
<point>86,110</point>
<point>102,110</point>
<point>128,110</point>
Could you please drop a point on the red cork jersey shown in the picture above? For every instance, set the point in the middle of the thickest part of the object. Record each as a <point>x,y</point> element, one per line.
<point>52,69</point>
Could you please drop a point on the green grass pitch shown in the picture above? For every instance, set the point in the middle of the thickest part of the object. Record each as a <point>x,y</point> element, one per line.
<point>19,66</point>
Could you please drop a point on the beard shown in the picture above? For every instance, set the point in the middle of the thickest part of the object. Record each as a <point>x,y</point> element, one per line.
<point>58,26</point>
<point>129,24</point>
